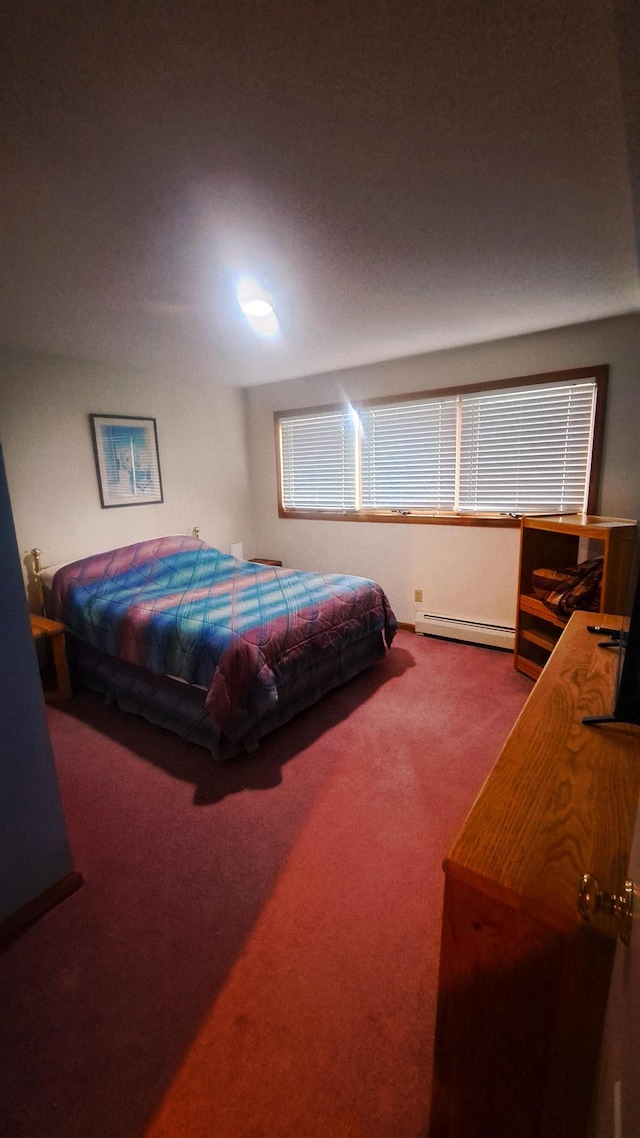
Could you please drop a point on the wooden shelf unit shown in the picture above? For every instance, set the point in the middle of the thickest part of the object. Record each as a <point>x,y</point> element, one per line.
<point>557,541</point>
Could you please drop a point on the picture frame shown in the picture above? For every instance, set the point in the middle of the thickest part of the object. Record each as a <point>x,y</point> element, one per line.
<point>127,460</point>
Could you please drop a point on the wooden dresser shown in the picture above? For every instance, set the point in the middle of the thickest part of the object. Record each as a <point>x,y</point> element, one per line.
<point>523,979</point>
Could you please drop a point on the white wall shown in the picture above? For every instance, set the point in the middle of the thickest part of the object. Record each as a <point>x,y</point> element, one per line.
<point>45,402</point>
<point>463,571</point>
<point>209,480</point>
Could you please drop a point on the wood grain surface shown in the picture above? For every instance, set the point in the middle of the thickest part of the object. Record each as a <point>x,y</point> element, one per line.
<point>561,798</point>
<point>523,980</point>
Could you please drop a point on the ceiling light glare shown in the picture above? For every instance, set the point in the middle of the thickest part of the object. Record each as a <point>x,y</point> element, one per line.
<point>257,307</point>
<point>355,419</point>
<point>264,325</point>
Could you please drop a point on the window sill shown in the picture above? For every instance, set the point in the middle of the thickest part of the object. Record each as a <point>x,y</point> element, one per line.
<point>409,517</point>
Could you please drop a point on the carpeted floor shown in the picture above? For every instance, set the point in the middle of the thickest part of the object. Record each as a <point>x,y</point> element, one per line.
<point>254,951</point>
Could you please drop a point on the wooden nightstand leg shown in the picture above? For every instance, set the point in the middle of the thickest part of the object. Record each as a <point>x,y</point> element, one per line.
<point>63,683</point>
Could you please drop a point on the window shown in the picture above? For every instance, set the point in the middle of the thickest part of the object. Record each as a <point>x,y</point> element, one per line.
<point>528,445</point>
<point>528,449</point>
<point>409,454</point>
<point>319,461</point>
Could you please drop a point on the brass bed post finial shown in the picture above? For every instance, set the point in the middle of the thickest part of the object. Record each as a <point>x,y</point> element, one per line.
<point>196,531</point>
<point>37,566</point>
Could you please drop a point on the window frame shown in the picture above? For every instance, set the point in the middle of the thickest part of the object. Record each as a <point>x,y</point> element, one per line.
<point>600,374</point>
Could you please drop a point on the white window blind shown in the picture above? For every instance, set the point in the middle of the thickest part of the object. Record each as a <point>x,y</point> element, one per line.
<point>318,461</point>
<point>522,449</point>
<point>409,455</point>
<point>527,449</point>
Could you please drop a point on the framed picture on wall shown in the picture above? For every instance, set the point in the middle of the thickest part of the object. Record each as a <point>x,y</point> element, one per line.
<point>127,461</point>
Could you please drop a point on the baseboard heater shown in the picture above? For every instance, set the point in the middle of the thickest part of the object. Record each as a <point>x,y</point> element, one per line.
<point>495,635</point>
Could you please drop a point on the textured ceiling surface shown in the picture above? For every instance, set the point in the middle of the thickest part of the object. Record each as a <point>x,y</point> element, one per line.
<point>400,176</point>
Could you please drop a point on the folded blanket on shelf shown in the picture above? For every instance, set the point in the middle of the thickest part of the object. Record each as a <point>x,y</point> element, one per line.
<point>565,590</point>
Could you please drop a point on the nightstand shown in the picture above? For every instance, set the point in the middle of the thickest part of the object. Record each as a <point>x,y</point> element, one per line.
<point>264,561</point>
<point>52,632</point>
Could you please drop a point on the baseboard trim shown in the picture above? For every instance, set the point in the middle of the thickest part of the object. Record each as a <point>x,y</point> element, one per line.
<point>406,627</point>
<point>15,923</point>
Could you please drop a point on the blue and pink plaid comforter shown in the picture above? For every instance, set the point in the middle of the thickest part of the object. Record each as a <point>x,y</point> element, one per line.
<point>176,606</point>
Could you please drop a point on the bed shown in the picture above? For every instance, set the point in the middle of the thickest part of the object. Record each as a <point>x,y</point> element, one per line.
<point>217,649</point>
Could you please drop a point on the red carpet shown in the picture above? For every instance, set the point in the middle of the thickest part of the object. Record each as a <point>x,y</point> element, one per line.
<point>255,948</point>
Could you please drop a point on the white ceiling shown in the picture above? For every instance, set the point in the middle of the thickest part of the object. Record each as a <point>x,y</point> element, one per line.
<point>401,176</point>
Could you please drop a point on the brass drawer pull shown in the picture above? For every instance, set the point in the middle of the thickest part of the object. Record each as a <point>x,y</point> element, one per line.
<point>592,900</point>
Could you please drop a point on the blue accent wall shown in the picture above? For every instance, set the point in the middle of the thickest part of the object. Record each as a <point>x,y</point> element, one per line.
<point>34,848</point>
